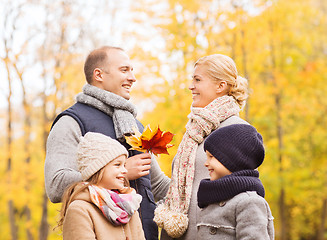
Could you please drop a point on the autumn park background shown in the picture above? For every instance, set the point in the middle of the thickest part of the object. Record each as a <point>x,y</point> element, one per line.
<point>280,46</point>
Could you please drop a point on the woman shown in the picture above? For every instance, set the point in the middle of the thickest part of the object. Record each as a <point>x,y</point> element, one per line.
<point>218,96</point>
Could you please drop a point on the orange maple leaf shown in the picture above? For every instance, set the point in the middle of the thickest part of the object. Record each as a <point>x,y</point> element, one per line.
<point>155,141</point>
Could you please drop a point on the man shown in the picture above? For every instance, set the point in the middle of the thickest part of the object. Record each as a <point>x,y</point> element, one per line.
<point>103,107</point>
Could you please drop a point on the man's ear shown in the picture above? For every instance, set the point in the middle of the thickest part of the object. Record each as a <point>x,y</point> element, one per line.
<point>222,87</point>
<point>97,75</point>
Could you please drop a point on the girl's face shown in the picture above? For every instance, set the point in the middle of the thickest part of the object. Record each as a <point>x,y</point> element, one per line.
<point>204,89</point>
<point>114,174</point>
<point>215,168</point>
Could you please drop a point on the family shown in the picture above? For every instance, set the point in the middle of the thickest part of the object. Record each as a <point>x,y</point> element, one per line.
<point>111,192</point>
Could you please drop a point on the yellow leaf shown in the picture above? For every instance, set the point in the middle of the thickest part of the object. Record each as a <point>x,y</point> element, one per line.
<point>135,141</point>
<point>148,133</point>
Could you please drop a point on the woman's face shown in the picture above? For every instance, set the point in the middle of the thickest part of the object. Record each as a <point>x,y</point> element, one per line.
<point>204,89</point>
<point>114,174</point>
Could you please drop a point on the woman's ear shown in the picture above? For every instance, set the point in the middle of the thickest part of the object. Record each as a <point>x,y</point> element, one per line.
<point>222,87</point>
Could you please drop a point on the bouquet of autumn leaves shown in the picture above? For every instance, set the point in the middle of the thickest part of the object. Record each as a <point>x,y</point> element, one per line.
<point>156,141</point>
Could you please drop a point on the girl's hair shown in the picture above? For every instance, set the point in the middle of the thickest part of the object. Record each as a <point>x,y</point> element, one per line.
<point>70,194</point>
<point>222,68</point>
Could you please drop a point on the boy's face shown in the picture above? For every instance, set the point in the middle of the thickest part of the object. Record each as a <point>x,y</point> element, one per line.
<point>215,168</point>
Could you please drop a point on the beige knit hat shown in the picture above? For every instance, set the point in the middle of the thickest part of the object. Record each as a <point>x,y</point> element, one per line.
<point>95,151</point>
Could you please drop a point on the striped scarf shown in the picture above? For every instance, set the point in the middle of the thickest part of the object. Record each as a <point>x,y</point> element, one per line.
<point>172,214</point>
<point>117,208</point>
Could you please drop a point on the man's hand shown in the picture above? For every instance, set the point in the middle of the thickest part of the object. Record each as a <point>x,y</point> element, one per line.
<point>138,166</point>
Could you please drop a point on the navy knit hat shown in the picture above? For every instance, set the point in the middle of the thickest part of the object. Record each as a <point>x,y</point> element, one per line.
<point>238,147</point>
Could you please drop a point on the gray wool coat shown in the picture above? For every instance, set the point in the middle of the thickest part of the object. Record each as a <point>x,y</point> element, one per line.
<point>245,216</point>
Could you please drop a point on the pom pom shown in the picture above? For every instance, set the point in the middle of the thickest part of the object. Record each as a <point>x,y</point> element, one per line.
<point>159,215</point>
<point>174,223</point>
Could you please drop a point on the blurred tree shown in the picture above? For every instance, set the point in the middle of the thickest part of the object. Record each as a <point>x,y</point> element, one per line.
<point>280,46</point>
<point>13,15</point>
<point>62,76</point>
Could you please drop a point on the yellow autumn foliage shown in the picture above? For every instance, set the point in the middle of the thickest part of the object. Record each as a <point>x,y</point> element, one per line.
<point>280,46</point>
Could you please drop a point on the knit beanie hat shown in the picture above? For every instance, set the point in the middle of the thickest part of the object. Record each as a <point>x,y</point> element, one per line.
<point>95,151</point>
<point>237,147</point>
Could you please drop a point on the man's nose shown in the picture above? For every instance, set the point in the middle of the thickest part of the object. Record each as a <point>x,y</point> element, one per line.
<point>131,77</point>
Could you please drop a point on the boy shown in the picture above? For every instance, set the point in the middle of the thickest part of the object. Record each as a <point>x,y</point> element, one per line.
<point>232,200</point>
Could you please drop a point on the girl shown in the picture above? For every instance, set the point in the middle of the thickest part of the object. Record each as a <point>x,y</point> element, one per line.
<point>102,206</point>
<point>218,96</point>
<point>232,200</point>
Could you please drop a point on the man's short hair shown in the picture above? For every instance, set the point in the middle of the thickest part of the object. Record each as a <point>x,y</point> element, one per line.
<point>97,59</point>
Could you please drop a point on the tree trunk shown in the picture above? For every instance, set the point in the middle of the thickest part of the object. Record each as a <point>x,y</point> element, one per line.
<point>321,232</point>
<point>11,207</point>
<point>13,226</point>
<point>279,133</point>
<point>27,141</point>
<point>282,205</point>
<point>282,214</point>
<point>28,215</point>
<point>245,72</point>
<point>44,226</point>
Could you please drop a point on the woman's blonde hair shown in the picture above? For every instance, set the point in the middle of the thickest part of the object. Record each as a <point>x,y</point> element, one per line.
<point>222,68</point>
<point>70,192</point>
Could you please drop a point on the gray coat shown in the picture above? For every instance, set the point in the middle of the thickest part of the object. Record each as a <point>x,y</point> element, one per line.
<point>245,216</point>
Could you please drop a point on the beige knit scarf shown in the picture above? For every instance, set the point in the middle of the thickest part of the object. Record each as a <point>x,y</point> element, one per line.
<point>171,215</point>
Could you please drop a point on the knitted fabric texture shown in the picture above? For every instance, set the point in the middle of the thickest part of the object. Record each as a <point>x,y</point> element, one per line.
<point>95,151</point>
<point>117,208</point>
<point>122,111</point>
<point>172,213</point>
<point>237,147</point>
<point>229,186</point>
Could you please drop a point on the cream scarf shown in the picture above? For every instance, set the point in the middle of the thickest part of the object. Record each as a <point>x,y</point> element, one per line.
<point>172,213</point>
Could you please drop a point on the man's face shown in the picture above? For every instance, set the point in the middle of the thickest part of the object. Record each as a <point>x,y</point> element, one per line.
<point>118,77</point>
